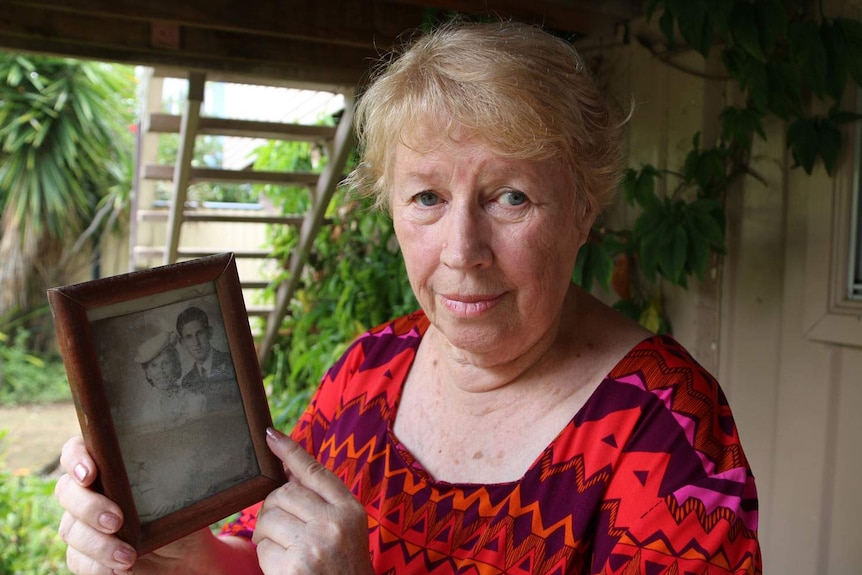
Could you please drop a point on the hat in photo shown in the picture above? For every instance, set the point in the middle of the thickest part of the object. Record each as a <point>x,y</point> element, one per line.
<point>148,350</point>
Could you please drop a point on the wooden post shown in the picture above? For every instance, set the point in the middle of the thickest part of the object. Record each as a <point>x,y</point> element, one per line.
<point>185,153</point>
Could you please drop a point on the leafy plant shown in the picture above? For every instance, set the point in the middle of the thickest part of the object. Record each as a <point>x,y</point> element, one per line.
<point>355,279</point>
<point>789,61</point>
<point>65,167</point>
<point>26,377</point>
<point>29,516</point>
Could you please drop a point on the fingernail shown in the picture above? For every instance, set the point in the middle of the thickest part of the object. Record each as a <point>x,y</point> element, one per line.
<point>109,521</point>
<point>273,433</point>
<point>124,555</point>
<point>81,472</point>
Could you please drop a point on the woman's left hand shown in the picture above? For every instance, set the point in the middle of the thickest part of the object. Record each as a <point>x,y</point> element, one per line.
<point>312,523</point>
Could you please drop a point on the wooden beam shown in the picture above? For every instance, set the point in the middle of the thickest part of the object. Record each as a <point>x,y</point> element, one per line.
<point>195,175</point>
<point>308,63</point>
<point>352,23</point>
<point>195,216</point>
<point>169,123</point>
<point>199,252</point>
<point>314,44</point>
<point>184,163</point>
<point>576,16</point>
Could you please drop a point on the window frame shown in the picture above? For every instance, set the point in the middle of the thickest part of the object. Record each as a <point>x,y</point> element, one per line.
<point>833,314</point>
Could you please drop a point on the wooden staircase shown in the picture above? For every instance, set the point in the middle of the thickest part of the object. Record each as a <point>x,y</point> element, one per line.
<point>157,232</point>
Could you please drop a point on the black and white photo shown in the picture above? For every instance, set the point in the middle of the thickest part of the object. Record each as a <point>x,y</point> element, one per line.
<point>169,394</point>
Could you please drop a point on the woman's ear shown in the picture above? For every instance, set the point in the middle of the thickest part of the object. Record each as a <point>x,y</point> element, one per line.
<point>585,217</point>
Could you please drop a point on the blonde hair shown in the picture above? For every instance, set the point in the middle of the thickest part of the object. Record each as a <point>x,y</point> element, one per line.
<point>521,91</point>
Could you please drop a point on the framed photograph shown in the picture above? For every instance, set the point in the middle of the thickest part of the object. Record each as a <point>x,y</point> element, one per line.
<point>169,395</point>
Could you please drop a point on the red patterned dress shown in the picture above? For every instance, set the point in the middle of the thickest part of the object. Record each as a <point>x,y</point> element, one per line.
<point>648,477</point>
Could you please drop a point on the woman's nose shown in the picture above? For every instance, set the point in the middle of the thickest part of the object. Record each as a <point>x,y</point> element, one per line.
<point>465,239</point>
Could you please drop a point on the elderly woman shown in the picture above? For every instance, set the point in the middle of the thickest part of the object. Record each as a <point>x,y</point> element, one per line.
<point>515,424</point>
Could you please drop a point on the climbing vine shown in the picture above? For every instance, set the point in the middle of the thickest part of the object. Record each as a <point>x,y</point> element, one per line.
<point>790,62</point>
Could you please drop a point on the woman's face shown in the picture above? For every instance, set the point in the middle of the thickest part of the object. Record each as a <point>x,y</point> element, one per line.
<point>159,371</point>
<point>489,243</point>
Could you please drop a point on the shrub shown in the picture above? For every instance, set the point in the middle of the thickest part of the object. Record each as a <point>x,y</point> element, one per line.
<point>27,378</point>
<point>29,516</point>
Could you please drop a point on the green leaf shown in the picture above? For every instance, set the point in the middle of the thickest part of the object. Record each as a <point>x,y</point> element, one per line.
<point>756,83</point>
<point>699,249</point>
<point>719,14</point>
<point>594,265</point>
<point>673,254</point>
<point>644,188</point>
<point>627,184</point>
<point>648,222</point>
<point>694,24</point>
<point>751,75</point>
<point>689,167</point>
<point>809,138</point>
<point>809,54</point>
<point>738,126</point>
<point>772,21</point>
<point>648,252</point>
<point>710,229</point>
<point>784,96</point>
<point>829,143</point>
<point>733,58</point>
<point>629,308</point>
<point>802,141</point>
<point>666,24</point>
<point>710,172</point>
<point>836,67</point>
<point>851,32</point>
<point>745,31</point>
<point>651,319</point>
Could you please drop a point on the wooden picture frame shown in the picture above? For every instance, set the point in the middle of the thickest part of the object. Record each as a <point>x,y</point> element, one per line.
<point>175,451</point>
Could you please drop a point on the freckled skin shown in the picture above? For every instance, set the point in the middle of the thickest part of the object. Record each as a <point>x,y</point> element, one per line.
<point>490,244</point>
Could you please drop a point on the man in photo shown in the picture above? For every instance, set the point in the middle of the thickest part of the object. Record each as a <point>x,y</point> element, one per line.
<point>210,365</point>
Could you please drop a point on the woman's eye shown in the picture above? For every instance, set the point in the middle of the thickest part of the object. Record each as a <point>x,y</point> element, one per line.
<point>513,198</point>
<point>427,199</point>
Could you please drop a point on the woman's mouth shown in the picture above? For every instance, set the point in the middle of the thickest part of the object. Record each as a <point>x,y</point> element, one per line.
<point>469,305</point>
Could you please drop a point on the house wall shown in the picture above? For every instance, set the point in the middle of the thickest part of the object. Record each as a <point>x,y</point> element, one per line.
<point>795,394</point>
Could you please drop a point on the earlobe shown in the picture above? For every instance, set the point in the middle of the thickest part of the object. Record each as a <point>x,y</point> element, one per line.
<point>586,218</point>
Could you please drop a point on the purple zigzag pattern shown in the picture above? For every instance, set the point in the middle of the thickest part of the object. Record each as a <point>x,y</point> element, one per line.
<point>692,405</point>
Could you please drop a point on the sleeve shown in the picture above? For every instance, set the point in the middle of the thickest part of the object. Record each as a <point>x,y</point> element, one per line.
<point>700,528</point>
<point>682,500</point>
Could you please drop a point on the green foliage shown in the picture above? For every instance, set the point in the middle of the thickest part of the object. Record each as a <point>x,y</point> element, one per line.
<point>27,378</point>
<point>65,145</point>
<point>354,280</point>
<point>65,170</point>
<point>784,57</point>
<point>29,516</point>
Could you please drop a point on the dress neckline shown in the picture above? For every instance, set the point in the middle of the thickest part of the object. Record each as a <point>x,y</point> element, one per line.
<point>409,460</point>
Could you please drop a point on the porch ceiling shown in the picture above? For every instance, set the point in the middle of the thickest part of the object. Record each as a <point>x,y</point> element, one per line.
<point>321,43</point>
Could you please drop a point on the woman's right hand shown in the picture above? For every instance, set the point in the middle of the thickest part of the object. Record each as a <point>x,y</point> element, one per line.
<point>91,520</point>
